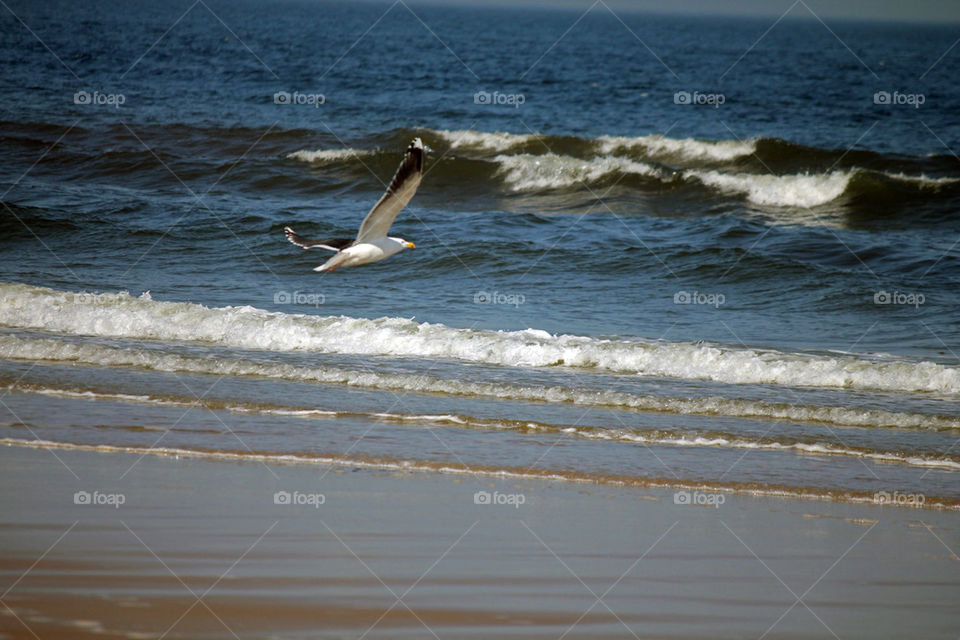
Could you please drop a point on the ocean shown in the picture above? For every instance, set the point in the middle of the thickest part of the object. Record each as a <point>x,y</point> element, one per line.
<point>703,253</point>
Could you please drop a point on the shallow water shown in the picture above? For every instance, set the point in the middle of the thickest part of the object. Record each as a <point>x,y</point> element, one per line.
<point>609,284</point>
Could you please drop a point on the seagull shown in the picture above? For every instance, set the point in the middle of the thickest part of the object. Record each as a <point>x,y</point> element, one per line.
<point>372,243</point>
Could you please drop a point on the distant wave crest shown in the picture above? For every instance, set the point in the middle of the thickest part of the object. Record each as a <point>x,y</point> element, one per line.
<point>326,155</point>
<point>529,163</point>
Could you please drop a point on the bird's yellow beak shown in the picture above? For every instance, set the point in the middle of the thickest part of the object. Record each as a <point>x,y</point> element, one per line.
<point>410,245</point>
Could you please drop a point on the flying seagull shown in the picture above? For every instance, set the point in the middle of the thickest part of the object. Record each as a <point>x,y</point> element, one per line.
<point>372,243</point>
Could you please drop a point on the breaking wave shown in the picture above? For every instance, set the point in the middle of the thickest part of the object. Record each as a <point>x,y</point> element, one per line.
<point>52,350</point>
<point>121,315</point>
<point>776,175</point>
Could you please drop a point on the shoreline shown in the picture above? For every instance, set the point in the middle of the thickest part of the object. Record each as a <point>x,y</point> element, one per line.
<point>881,499</point>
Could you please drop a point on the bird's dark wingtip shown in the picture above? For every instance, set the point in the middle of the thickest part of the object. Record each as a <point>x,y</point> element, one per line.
<point>416,148</point>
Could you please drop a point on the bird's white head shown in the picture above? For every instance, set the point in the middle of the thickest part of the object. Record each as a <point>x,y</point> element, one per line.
<point>403,243</point>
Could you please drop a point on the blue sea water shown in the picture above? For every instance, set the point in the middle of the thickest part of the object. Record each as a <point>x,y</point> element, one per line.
<point>690,237</point>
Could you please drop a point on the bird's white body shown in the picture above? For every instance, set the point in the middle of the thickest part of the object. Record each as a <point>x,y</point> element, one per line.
<point>364,253</point>
<point>372,243</point>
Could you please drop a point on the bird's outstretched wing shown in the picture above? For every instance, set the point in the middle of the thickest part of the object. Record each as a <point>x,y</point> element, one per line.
<point>398,194</point>
<point>331,244</point>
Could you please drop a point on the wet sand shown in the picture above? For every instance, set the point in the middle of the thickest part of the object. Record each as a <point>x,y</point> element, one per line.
<point>189,548</point>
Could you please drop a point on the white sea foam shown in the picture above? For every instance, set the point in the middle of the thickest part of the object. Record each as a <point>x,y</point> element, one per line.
<point>657,146</point>
<point>922,180</point>
<point>228,406</point>
<point>797,190</point>
<point>525,172</point>
<point>326,155</point>
<point>52,350</point>
<point>549,170</point>
<point>815,448</point>
<point>124,316</point>
<point>688,149</point>
<point>528,172</point>
<point>482,140</point>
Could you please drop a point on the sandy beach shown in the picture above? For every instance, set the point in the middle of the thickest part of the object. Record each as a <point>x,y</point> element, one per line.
<point>156,546</point>
<point>671,349</point>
